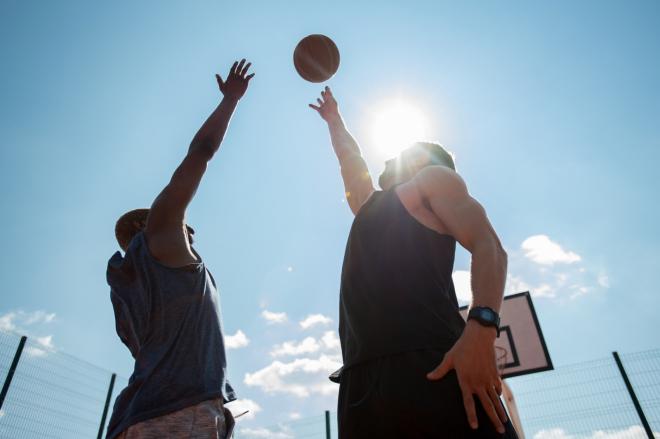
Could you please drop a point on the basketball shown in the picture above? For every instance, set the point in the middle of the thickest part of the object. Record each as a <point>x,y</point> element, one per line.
<point>316,58</point>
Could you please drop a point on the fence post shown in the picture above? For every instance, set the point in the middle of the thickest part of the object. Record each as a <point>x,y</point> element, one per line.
<point>327,424</point>
<point>631,391</point>
<point>12,369</point>
<point>107,404</point>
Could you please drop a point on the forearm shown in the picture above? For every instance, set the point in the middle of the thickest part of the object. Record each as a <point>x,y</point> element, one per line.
<point>489,265</point>
<point>345,146</point>
<point>210,135</point>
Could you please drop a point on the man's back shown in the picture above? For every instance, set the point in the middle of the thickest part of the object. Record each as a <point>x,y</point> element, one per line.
<point>169,319</point>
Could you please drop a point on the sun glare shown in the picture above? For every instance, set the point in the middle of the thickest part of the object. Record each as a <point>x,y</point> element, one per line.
<point>395,126</point>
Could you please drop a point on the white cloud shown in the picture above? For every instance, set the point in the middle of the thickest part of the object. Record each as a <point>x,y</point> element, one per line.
<point>17,320</point>
<point>274,317</point>
<point>238,340</point>
<point>330,340</point>
<point>240,406</point>
<point>24,323</point>
<point>7,322</point>
<point>307,346</point>
<point>259,433</point>
<point>634,432</point>
<point>39,317</point>
<point>2,413</point>
<point>300,377</point>
<point>294,416</point>
<point>315,319</point>
<point>547,270</point>
<point>543,290</point>
<point>542,250</point>
<point>462,285</point>
<point>44,346</point>
<point>515,284</point>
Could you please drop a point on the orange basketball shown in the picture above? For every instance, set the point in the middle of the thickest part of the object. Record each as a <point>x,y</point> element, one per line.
<point>316,58</point>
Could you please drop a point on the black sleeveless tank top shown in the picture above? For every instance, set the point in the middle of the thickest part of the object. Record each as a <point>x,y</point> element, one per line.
<point>397,293</point>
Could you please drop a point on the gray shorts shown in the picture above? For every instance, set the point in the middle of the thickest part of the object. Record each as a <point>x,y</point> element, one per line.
<point>206,420</point>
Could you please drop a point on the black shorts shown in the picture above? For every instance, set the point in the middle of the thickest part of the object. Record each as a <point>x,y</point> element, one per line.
<point>391,397</point>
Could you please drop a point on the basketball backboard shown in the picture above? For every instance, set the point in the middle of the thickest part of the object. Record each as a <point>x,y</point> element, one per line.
<point>520,348</point>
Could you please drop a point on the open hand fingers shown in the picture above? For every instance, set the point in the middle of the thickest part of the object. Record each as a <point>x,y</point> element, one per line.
<point>239,67</point>
<point>470,411</point>
<point>495,398</point>
<point>445,366</point>
<point>220,82</point>
<point>232,71</point>
<point>315,107</point>
<point>245,69</point>
<point>489,408</point>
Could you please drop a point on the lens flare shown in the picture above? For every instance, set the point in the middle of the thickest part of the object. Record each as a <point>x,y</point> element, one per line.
<point>397,125</point>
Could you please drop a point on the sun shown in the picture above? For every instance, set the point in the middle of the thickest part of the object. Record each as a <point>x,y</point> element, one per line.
<point>396,125</point>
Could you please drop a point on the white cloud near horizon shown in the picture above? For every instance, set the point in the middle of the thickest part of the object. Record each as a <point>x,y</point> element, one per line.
<point>236,341</point>
<point>542,250</point>
<point>462,285</point>
<point>304,375</point>
<point>331,341</point>
<point>16,320</point>
<point>315,319</point>
<point>26,323</point>
<point>633,432</point>
<point>306,346</point>
<point>274,317</point>
<point>300,377</point>
<point>265,433</point>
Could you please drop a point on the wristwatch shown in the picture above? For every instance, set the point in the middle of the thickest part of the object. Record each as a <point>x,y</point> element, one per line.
<point>485,316</point>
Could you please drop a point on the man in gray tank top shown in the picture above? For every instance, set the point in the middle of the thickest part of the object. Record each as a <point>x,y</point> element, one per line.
<point>166,306</point>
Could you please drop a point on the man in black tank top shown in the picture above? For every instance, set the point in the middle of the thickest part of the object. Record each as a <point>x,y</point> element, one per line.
<point>412,367</point>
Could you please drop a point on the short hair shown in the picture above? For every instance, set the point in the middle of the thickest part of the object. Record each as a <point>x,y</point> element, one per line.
<point>439,154</point>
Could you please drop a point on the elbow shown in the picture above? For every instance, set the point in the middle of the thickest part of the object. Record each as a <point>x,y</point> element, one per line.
<point>502,257</point>
<point>202,149</point>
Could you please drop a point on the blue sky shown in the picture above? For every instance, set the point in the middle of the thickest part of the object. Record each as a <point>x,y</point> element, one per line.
<point>552,110</point>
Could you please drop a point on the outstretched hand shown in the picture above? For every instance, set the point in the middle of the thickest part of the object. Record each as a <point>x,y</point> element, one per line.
<point>237,80</point>
<point>327,105</point>
<point>473,358</point>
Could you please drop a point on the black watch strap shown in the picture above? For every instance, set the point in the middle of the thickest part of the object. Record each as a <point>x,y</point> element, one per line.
<point>485,316</point>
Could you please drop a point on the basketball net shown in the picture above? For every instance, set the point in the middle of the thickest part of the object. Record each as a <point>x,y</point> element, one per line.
<point>500,357</point>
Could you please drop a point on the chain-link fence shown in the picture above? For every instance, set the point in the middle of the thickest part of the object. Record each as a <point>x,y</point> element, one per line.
<point>49,394</point>
<point>588,400</point>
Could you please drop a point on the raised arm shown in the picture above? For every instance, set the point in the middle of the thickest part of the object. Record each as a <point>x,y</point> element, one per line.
<point>166,230</point>
<point>473,355</point>
<point>357,181</point>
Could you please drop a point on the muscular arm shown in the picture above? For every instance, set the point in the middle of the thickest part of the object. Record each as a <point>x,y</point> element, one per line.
<point>466,221</point>
<point>473,355</point>
<point>166,230</point>
<point>357,181</point>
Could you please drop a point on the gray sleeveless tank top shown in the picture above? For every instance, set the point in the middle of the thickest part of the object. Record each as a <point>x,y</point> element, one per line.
<point>169,318</point>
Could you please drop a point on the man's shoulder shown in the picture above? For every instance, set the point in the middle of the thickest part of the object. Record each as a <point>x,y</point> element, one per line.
<point>439,181</point>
